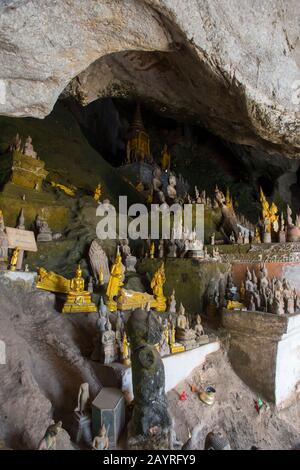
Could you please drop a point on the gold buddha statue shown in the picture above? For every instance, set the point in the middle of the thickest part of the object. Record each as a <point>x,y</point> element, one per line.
<point>152,250</point>
<point>98,192</point>
<point>14,259</point>
<point>125,351</point>
<point>175,347</point>
<point>228,199</point>
<point>101,278</point>
<point>165,158</point>
<point>78,300</point>
<point>157,284</point>
<point>115,283</point>
<point>269,214</point>
<point>50,281</point>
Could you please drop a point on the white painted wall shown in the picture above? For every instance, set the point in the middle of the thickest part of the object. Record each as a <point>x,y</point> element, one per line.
<point>288,362</point>
<point>177,366</point>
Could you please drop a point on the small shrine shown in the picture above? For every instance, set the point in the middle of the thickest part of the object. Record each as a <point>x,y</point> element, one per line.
<point>138,144</point>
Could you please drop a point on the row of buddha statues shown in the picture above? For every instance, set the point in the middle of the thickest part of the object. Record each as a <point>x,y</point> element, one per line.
<point>262,293</point>
<point>179,332</point>
<point>187,246</point>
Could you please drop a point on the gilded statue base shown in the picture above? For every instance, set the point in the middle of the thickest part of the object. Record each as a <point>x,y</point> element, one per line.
<point>177,348</point>
<point>161,304</point>
<point>235,305</point>
<point>79,302</point>
<point>112,305</point>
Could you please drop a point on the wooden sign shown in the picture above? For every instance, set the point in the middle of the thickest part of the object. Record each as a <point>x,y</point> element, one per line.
<point>23,239</point>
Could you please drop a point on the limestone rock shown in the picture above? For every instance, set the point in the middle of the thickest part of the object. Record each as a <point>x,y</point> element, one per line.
<point>231,66</point>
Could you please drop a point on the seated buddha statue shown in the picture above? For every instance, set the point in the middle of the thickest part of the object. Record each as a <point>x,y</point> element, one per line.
<point>78,300</point>
<point>184,333</point>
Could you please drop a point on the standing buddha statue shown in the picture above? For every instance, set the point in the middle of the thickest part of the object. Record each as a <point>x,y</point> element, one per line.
<point>98,192</point>
<point>115,283</point>
<point>165,158</point>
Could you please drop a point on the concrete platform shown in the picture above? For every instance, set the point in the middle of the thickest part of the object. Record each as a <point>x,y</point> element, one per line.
<point>177,368</point>
<point>265,352</point>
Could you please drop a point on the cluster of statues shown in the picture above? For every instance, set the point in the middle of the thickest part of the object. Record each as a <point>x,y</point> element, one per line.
<point>273,227</point>
<point>27,149</point>
<point>188,246</point>
<point>111,344</point>
<point>179,331</point>
<point>261,293</point>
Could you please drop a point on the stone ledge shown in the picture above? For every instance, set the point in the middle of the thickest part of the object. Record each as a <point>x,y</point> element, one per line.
<point>177,368</point>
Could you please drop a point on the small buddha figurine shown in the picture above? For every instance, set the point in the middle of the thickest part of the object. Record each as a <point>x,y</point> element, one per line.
<point>83,399</point>
<point>16,144</point>
<point>28,148</point>
<point>172,302</point>
<point>43,229</point>
<point>152,250</point>
<point>14,259</point>
<point>101,278</point>
<point>98,192</point>
<point>242,291</point>
<point>101,442</point>
<point>125,351</point>
<point>156,181</point>
<point>108,345</point>
<point>161,248</point>
<point>171,191</point>
<point>183,333</point>
<point>198,327</point>
<point>165,158</point>
<point>49,440</point>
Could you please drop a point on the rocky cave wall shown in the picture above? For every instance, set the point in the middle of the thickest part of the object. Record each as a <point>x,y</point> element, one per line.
<point>231,65</point>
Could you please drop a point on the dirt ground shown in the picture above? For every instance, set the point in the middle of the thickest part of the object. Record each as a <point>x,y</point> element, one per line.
<point>233,412</point>
<point>48,358</point>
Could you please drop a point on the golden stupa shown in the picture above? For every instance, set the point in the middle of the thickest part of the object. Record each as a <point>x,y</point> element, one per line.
<point>138,144</point>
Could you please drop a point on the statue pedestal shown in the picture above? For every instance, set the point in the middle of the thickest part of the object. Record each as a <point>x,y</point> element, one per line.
<point>44,237</point>
<point>203,339</point>
<point>79,302</point>
<point>176,348</point>
<point>27,172</point>
<point>81,431</point>
<point>161,304</point>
